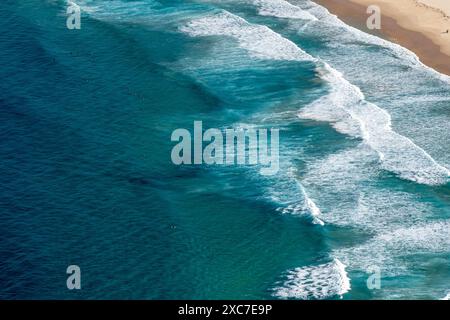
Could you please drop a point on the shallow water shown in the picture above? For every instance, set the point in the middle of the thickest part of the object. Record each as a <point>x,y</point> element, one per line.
<point>87,179</point>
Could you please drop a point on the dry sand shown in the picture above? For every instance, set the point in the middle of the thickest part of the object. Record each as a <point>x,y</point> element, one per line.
<point>419,25</point>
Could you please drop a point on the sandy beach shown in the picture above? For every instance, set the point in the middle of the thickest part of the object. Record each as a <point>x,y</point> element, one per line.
<point>419,25</point>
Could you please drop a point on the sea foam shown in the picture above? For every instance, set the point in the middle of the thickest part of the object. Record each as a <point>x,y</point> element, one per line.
<point>348,111</point>
<point>306,207</point>
<point>402,53</point>
<point>389,249</point>
<point>315,282</point>
<point>282,9</point>
<point>345,106</point>
<point>260,41</point>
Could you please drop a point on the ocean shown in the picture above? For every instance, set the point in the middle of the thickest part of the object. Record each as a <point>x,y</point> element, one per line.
<point>361,197</point>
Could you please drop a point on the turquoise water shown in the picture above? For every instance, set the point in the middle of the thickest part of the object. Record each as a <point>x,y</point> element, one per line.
<point>87,179</point>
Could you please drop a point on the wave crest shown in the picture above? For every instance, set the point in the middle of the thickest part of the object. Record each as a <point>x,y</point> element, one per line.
<point>315,282</point>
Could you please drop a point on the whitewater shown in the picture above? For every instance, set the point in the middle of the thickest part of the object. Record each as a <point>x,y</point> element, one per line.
<point>365,164</point>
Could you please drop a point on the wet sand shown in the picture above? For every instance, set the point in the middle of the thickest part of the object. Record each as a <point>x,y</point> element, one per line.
<point>400,24</point>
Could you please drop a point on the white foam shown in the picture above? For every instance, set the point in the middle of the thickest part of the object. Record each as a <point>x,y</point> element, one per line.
<point>347,110</point>
<point>447,297</point>
<point>404,54</point>
<point>345,107</point>
<point>315,282</point>
<point>387,250</point>
<point>282,9</point>
<point>310,206</point>
<point>272,8</point>
<point>430,237</point>
<point>306,206</point>
<point>260,41</point>
<point>373,209</point>
<point>396,221</point>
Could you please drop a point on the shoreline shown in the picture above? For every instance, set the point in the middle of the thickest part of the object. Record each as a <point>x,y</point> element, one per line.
<point>423,35</point>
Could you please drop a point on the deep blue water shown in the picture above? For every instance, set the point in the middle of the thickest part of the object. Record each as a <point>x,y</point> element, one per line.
<point>87,179</point>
